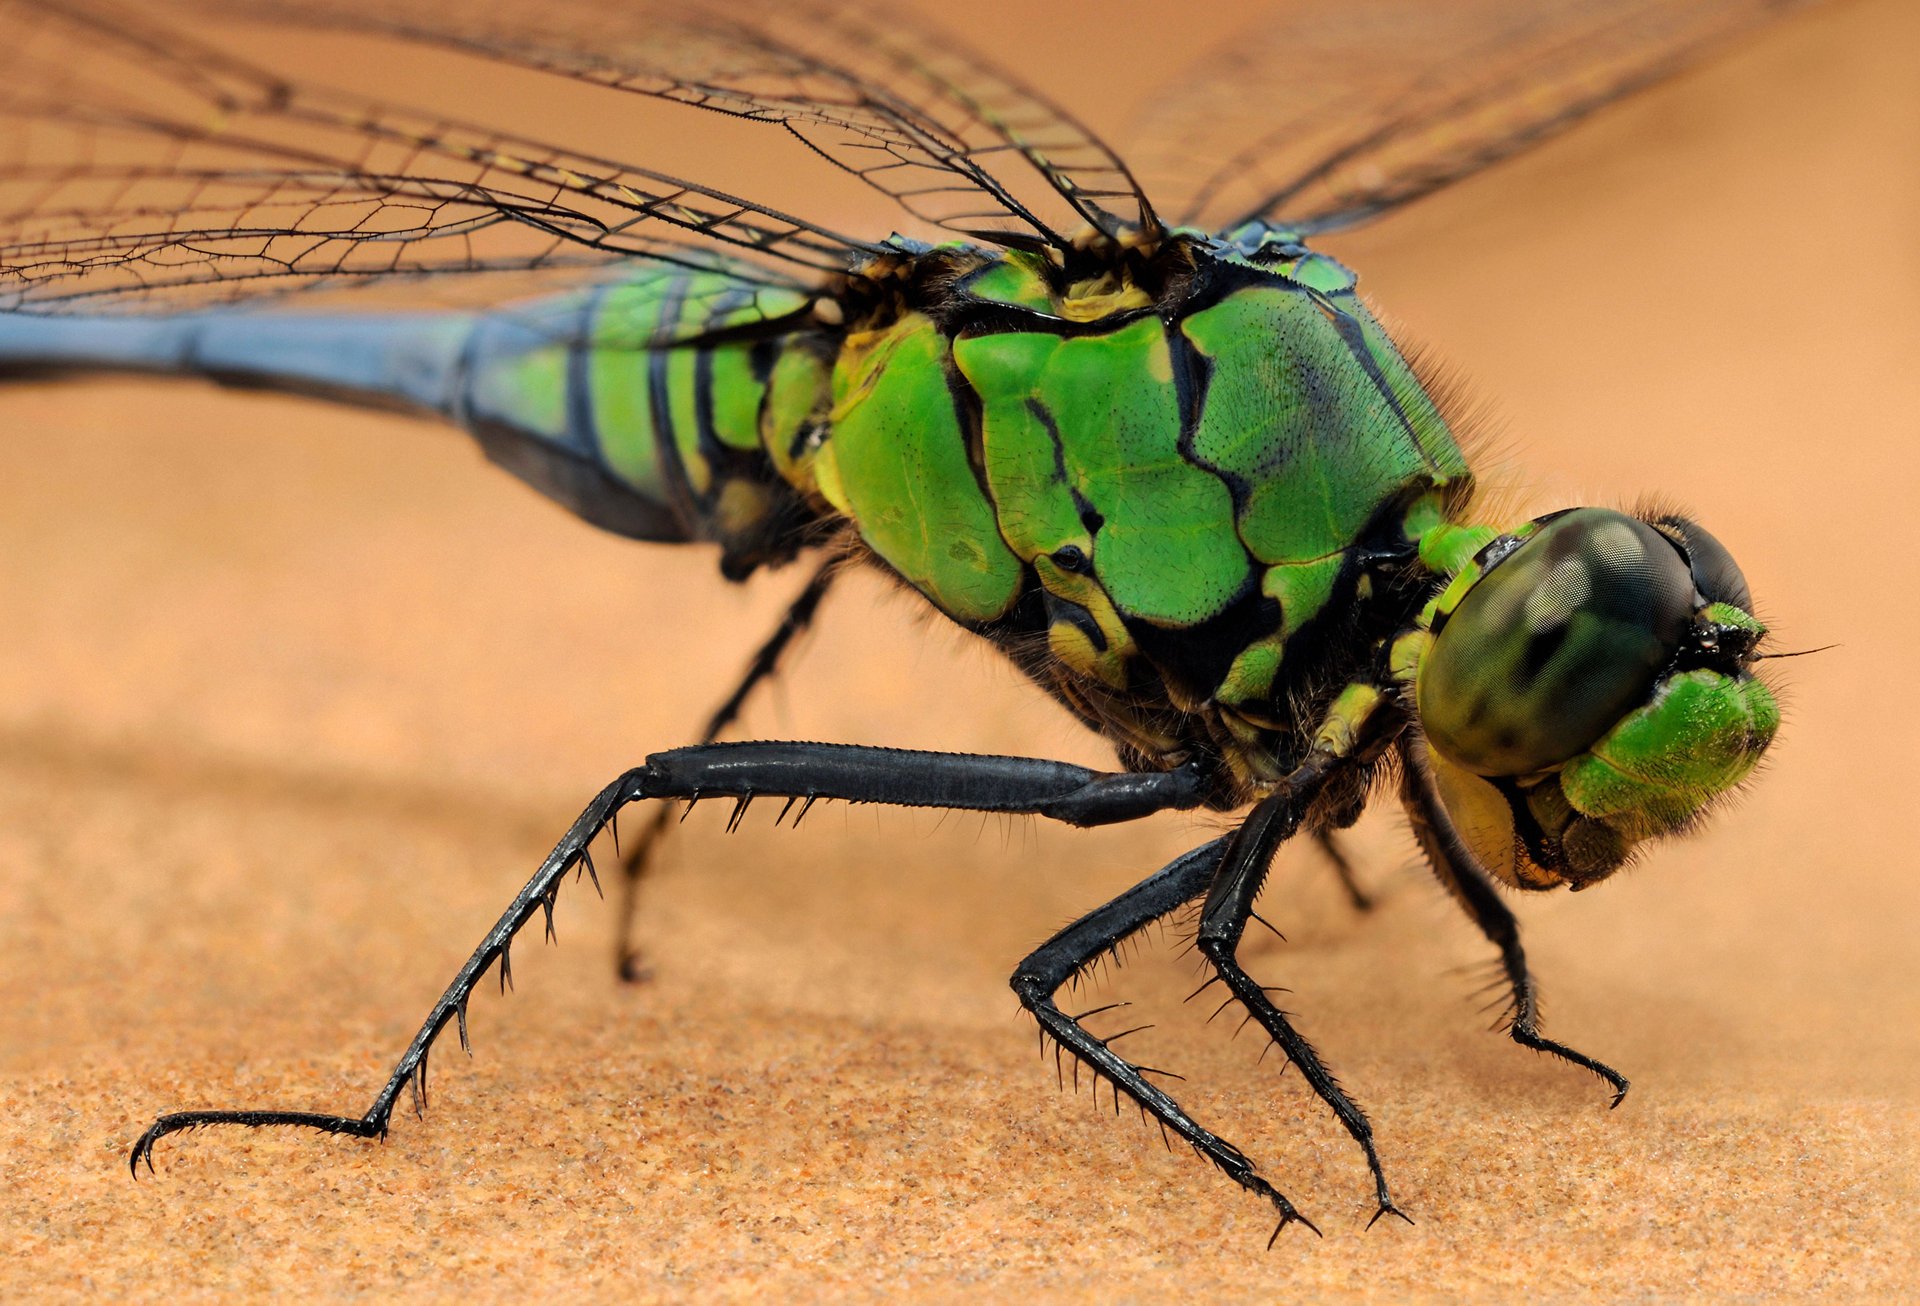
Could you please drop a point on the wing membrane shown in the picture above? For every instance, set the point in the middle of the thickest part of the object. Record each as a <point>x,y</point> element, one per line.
<point>142,168</point>
<point>1331,115</point>
<point>907,110</point>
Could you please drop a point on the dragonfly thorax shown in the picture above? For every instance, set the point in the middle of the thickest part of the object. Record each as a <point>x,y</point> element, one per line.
<point>1180,490</point>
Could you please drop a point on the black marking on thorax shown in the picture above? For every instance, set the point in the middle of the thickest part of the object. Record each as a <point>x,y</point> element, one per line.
<point>1196,658</point>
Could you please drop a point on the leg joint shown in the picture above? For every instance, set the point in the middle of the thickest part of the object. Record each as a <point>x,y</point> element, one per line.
<point>1033,989</point>
<point>1218,943</point>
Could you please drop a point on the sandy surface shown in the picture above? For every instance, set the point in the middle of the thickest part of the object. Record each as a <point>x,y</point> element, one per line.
<point>292,699</point>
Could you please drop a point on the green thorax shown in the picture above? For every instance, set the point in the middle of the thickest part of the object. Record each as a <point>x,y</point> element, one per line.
<point>1190,484</point>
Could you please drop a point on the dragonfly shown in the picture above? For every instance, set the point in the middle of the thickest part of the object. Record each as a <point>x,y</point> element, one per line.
<point>1146,441</point>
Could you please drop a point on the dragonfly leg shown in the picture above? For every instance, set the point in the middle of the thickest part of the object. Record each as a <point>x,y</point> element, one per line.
<point>1478,896</point>
<point>742,771</point>
<point>1223,923</point>
<point>638,858</point>
<point>1039,978</point>
<point>1343,870</point>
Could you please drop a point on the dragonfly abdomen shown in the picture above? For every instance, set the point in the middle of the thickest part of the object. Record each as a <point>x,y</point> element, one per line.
<point>670,407</point>
<point>391,360</point>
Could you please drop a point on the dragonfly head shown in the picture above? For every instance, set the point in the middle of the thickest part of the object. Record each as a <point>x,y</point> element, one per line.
<point>1585,685</point>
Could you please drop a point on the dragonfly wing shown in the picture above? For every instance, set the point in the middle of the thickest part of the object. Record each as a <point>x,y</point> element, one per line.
<point>907,109</point>
<point>143,168</point>
<point>145,165</point>
<point>1331,114</point>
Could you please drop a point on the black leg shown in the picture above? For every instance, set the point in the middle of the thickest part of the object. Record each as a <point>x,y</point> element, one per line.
<point>796,772</point>
<point>1069,952</point>
<point>1477,894</point>
<point>1223,922</point>
<point>1343,870</point>
<point>638,858</point>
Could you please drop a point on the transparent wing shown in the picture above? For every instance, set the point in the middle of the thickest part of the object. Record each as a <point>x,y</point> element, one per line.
<point>141,167</point>
<point>908,110</point>
<point>145,165</point>
<point>1330,114</point>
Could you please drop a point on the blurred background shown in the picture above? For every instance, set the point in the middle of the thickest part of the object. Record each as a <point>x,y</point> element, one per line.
<point>292,698</point>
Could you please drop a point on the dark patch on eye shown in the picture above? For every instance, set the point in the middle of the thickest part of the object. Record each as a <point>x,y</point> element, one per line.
<point>1477,710</point>
<point>1673,531</point>
<point>1715,574</point>
<point>1540,650</point>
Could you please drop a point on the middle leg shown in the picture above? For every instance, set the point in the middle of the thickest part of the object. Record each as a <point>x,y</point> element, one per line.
<point>1223,923</point>
<point>1040,977</point>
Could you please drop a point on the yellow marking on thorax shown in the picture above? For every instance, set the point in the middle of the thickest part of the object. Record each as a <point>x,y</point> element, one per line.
<point>1101,296</point>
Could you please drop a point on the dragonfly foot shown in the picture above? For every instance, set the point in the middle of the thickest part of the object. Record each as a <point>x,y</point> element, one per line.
<point>1527,1036</point>
<point>181,1121</point>
<point>1289,1214</point>
<point>1388,1208</point>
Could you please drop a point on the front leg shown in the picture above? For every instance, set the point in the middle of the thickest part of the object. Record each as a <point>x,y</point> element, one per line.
<point>795,772</point>
<point>1479,897</point>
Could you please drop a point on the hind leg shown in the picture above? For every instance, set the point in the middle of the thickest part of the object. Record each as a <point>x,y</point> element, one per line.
<point>796,772</point>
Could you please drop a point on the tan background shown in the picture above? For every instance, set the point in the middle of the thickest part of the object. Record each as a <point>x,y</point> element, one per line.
<point>292,699</point>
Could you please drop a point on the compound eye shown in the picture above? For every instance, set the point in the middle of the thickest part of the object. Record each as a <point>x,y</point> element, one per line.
<point>1551,648</point>
<point>1715,573</point>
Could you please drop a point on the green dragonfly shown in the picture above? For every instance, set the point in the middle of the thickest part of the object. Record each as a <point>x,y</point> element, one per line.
<point>1172,467</point>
